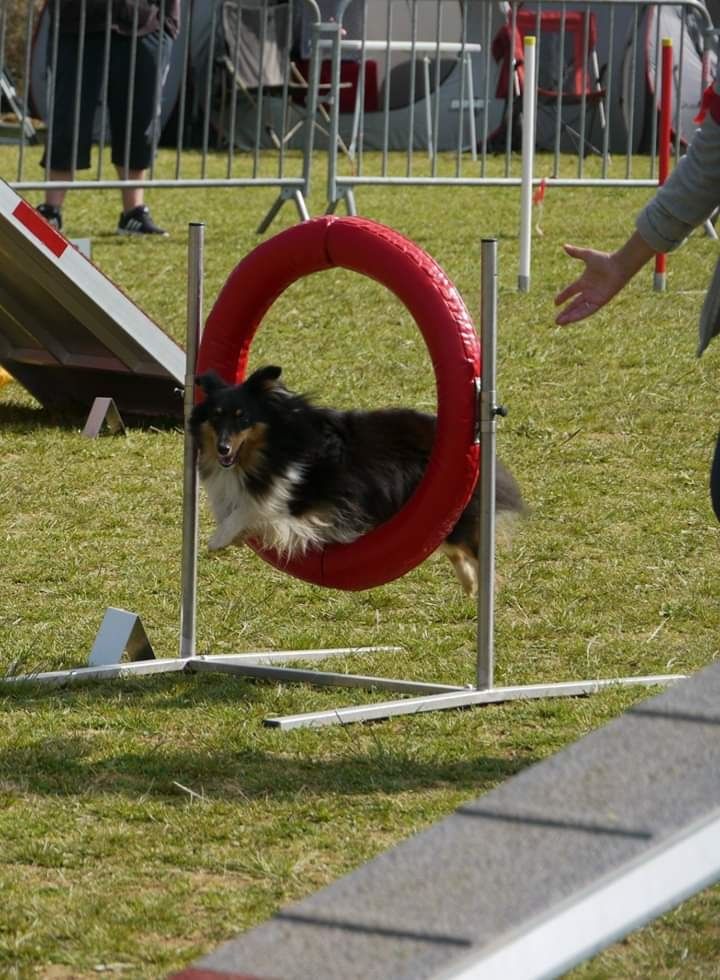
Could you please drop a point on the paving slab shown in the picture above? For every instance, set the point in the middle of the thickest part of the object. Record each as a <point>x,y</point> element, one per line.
<point>500,861</point>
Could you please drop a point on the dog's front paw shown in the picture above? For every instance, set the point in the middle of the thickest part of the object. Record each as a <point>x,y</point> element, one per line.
<point>220,539</point>
<point>217,542</point>
<point>224,536</point>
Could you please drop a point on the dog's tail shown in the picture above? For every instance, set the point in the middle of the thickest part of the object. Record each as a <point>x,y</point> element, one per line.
<point>508,496</point>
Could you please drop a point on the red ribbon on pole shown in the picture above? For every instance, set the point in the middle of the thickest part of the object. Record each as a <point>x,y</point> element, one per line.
<point>539,195</point>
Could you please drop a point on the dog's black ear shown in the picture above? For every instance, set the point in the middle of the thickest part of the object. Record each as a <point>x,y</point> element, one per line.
<point>210,382</point>
<point>265,378</point>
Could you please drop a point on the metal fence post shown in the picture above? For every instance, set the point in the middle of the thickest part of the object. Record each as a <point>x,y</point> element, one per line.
<point>190,476</point>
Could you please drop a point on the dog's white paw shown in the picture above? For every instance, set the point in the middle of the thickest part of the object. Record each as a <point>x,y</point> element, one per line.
<point>226,534</point>
<point>222,537</point>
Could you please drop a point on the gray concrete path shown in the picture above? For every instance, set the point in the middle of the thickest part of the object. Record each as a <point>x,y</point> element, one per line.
<point>502,860</point>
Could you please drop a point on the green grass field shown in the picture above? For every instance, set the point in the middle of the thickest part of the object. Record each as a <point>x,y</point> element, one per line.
<point>143,822</point>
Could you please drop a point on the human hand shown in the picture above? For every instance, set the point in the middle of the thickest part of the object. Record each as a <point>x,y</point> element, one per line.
<point>599,281</point>
<point>604,275</point>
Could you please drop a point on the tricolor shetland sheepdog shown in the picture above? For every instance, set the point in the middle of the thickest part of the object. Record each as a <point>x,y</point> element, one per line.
<point>295,476</point>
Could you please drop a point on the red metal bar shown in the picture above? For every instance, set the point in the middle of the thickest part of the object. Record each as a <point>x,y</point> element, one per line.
<point>664,141</point>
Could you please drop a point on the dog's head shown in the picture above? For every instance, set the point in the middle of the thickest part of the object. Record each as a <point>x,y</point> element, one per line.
<point>231,422</point>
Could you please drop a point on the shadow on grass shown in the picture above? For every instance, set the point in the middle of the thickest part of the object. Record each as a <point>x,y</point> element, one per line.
<point>225,759</point>
<point>69,766</point>
<point>18,419</point>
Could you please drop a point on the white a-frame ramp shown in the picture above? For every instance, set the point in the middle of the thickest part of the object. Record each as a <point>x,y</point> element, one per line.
<point>70,335</point>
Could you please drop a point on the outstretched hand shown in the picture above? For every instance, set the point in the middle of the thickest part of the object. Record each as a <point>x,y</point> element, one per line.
<point>603,277</point>
<point>600,280</point>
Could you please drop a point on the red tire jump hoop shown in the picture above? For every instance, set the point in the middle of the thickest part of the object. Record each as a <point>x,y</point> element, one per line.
<point>364,246</point>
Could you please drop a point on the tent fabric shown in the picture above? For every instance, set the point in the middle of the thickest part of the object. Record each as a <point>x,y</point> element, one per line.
<point>665,22</point>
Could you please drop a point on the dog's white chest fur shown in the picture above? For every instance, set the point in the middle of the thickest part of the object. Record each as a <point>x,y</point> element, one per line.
<point>239,514</point>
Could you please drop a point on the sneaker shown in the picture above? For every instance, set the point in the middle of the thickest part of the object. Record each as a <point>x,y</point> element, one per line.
<point>51,213</point>
<point>137,221</point>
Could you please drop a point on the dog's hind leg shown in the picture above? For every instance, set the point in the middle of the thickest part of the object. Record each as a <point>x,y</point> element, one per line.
<point>465,566</point>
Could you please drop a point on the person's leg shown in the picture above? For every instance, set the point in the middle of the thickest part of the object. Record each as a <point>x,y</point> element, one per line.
<point>133,149</point>
<point>55,196</point>
<point>132,197</point>
<point>135,218</point>
<point>715,480</point>
<point>68,147</point>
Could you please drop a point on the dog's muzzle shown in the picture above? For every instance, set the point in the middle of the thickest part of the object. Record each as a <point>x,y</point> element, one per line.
<point>226,456</point>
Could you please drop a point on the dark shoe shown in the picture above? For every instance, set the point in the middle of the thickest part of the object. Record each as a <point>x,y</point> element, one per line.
<point>51,213</point>
<point>138,222</point>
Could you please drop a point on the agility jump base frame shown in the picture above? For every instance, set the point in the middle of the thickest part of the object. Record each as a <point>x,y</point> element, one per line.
<point>122,632</point>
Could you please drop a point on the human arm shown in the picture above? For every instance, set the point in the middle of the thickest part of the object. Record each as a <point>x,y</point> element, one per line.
<point>687,199</point>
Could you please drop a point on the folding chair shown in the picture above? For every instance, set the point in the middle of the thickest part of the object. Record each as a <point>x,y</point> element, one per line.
<point>257,38</point>
<point>568,70</point>
<point>300,74</point>
<point>507,50</point>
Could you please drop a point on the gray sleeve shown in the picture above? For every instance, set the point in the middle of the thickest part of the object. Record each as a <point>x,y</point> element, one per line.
<point>689,195</point>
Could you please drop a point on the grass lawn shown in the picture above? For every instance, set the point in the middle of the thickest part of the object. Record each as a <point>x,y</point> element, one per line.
<point>143,822</point>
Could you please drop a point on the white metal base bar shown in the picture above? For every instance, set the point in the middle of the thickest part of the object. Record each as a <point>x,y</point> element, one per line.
<point>254,664</point>
<point>288,656</point>
<point>260,665</point>
<point>461,698</point>
<point>79,675</point>
<point>316,677</point>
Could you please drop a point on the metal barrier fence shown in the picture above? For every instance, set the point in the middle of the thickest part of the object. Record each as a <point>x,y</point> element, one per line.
<point>596,101</point>
<point>229,100</point>
<point>393,92</point>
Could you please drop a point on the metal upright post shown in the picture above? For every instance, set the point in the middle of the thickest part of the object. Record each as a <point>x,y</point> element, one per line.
<point>190,476</point>
<point>528,161</point>
<point>488,411</point>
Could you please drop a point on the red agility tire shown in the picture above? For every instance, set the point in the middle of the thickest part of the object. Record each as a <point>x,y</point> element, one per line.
<point>398,545</point>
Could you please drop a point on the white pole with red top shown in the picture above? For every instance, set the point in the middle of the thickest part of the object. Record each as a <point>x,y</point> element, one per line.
<point>528,160</point>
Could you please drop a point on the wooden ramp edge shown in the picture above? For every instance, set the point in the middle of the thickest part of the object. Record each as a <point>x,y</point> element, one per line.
<point>70,335</point>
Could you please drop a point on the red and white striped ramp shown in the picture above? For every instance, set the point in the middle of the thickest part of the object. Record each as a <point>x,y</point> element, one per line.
<point>69,334</point>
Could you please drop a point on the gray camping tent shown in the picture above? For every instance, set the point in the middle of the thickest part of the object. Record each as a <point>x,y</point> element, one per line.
<point>684,26</point>
<point>399,73</point>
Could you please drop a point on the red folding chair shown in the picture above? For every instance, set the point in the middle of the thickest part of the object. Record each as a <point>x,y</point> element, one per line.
<point>568,71</point>
<point>569,77</point>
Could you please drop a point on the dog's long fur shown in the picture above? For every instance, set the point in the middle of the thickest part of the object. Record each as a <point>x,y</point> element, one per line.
<point>294,475</point>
